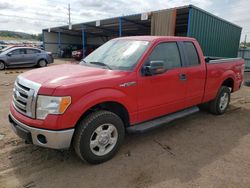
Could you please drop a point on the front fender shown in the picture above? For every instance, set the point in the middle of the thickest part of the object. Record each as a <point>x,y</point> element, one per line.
<point>80,106</point>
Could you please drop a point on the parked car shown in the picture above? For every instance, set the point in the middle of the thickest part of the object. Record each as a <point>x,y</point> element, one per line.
<point>7,47</point>
<point>131,83</point>
<point>66,52</point>
<point>78,54</point>
<point>2,46</point>
<point>24,57</point>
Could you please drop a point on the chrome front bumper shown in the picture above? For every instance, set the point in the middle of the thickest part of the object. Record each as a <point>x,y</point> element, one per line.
<point>41,137</point>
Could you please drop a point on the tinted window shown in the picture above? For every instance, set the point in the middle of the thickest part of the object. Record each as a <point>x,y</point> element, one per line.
<point>193,58</point>
<point>168,53</point>
<point>18,52</point>
<point>32,51</point>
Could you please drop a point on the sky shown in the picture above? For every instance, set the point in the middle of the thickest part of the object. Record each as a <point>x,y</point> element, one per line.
<point>32,16</point>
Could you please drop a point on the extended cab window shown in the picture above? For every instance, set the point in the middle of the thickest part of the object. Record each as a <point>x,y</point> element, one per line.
<point>192,55</point>
<point>168,53</point>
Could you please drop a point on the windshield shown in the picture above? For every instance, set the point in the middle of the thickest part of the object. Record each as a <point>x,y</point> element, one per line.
<point>117,54</point>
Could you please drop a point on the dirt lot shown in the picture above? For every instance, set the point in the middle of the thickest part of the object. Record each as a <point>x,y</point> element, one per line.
<point>198,151</point>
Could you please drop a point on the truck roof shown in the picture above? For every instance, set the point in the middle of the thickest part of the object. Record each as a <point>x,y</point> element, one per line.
<point>154,38</point>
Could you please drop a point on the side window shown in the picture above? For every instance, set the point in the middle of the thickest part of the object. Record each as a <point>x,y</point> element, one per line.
<point>32,51</point>
<point>192,55</point>
<point>18,52</point>
<point>168,53</point>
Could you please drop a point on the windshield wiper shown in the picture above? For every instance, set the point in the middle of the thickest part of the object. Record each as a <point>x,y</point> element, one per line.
<point>101,64</point>
<point>83,61</point>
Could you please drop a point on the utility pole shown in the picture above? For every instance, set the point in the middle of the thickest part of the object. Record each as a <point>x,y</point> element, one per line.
<point>70,25</point>
<point>245,42</point>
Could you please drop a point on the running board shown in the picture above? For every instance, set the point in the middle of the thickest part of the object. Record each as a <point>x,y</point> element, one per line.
<point>148,125</point>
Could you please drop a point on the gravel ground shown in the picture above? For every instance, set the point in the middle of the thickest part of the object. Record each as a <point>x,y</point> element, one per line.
<point>201,150</point>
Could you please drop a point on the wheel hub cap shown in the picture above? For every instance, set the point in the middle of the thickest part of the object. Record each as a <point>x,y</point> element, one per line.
<point>224,101</point>
<point>104,139</point>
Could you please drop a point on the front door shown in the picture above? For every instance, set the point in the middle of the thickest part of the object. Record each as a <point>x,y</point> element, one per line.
<point>16,57</point>
<point>162,93</point>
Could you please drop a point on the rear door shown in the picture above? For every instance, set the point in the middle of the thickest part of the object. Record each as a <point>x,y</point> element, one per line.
<point>163,93</point>
<point>195,70</point>
<point>32,56</point>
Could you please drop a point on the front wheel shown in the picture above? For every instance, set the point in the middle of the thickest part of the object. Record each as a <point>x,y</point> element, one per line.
<point>99,136</point>
<point>220,104</point>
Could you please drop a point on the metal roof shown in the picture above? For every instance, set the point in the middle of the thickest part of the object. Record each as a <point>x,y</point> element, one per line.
<point>109,27</point>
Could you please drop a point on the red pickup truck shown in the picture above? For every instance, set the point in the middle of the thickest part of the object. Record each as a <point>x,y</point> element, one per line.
<point>128,84</point>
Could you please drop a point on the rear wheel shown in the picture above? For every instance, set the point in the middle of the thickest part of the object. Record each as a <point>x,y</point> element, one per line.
<point>99,136</point>
<point>220,104</point>
<point>42,63</point>
<point>2,65</point>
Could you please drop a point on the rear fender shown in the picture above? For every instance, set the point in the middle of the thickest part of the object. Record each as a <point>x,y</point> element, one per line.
<point>213,87</point>
<point>227,75</point>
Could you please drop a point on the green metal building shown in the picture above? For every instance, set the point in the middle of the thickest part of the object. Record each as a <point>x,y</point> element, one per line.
<point>244,53</point>
<point>217,37</point>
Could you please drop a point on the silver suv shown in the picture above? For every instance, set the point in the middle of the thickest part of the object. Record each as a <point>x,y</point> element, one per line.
<point>24,57</point>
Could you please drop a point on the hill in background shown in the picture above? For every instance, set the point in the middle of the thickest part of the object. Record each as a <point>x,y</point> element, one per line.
<point>13,35</point>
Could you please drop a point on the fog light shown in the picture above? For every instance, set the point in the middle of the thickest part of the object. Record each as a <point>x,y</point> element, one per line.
<point>41,138</point>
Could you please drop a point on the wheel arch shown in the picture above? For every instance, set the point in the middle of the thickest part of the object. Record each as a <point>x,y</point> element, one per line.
<point>112,106</point>
<point>229,82</point>
<point>42,58</point>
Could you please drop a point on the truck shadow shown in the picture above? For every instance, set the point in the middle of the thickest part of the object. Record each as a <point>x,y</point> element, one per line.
<point>178,150</point>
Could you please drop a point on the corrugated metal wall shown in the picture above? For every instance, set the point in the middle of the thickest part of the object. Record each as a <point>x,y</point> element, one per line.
<point>163,22</point>
<point>216,36</point>
<point>52,41</point>
<point>245,54</point>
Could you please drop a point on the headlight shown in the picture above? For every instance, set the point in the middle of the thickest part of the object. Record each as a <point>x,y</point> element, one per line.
<point>51,105</point>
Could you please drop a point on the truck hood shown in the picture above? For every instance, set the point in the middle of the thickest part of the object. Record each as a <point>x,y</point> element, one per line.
<point>70,74</point>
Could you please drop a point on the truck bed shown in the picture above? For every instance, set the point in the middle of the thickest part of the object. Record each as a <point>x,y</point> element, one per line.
<point>210,59</point>
<point>217,70</point>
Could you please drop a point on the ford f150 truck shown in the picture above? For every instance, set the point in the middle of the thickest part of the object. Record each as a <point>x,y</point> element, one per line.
<point>128,84</point>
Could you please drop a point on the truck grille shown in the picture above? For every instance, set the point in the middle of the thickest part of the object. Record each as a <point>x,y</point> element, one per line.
<point>24,96</point>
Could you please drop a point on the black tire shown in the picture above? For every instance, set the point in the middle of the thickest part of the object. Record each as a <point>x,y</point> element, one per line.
<point>87,127</point>
<point>42,63</point>
<point>215,105</point>
<point>2,65</point>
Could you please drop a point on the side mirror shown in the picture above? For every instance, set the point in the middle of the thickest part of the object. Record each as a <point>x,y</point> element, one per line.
<point>9,54</point>
<point>154,67</point>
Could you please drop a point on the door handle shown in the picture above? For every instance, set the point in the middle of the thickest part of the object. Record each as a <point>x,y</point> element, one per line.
<point>183,77</point>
